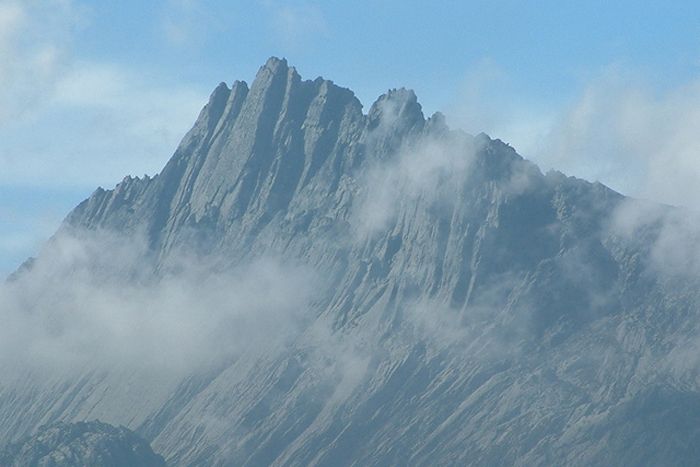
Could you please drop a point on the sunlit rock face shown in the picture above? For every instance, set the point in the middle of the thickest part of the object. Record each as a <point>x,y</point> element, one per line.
<point>305,283</point>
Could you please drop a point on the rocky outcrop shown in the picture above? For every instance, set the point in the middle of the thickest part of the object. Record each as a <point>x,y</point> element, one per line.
<point>81,444</point>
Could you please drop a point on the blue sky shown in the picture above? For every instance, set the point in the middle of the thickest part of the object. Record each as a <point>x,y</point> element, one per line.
<point>92,91</point>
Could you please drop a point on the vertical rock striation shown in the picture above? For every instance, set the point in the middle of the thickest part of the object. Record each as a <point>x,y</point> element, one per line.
<point>480,312</point>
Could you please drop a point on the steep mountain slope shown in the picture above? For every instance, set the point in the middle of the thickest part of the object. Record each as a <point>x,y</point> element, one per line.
<point>462,307</point>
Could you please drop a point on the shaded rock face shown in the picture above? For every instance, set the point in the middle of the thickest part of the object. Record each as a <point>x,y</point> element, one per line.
<point>81,444</point>
<point>467,309</point>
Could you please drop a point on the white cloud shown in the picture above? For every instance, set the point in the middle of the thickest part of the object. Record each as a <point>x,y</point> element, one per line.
<point>641,141</point>
<point>638,139</point>
<point>72,123</point>
<point>488,101</point>
<point>425,168</point>
<point>89,301</point>
<point>671,236</point>
<point>101,122</point>
<point>12,16</point>
<point>34,51</point>
<point>661,244</point>
<point>432,168</point>
<point>66,121</point>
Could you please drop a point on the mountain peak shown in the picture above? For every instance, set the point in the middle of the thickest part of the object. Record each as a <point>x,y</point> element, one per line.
<point>274,62</point>
<point>398,106</point>
<point>361,264</point>
<point>275,67</point>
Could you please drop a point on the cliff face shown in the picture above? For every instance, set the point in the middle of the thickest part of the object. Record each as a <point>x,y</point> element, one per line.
<point>466,308</point>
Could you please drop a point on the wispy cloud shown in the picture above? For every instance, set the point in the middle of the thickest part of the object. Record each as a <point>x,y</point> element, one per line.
<point>640,140</point>
<point>101,122</point>
<point>34,51</point>
<point>89,302</point>
<point>431,170</point>
<point>66,121</point>
<point>637,138</point>
<point>487,100</point>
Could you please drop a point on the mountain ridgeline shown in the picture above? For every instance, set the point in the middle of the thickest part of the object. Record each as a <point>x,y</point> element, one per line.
<point>426,297</point>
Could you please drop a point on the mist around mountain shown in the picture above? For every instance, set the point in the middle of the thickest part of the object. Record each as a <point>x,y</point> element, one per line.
<point>307,283</point>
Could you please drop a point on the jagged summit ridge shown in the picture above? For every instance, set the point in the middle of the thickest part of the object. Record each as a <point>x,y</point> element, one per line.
<point>265,145</point>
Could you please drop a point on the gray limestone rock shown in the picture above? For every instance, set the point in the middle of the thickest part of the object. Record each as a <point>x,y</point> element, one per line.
<point>473,311</point>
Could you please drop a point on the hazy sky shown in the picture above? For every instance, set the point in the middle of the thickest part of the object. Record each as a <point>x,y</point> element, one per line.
<point>91,91</point>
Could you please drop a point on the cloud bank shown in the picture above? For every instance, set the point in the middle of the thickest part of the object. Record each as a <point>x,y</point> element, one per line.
<point>90,302</point>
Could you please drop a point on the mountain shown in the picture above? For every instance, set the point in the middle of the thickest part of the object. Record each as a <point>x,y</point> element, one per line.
<point>81,444</point>
<point>308,284</point>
